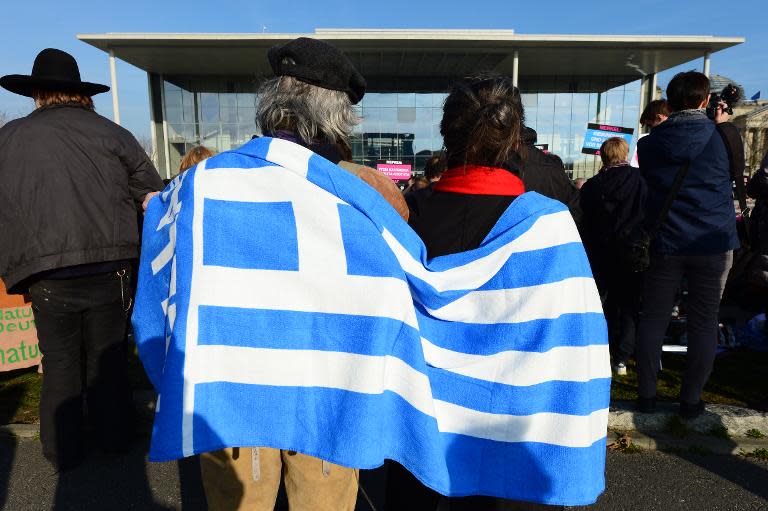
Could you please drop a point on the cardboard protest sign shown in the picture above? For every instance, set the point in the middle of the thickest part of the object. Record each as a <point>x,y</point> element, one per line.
<point>18,335</point>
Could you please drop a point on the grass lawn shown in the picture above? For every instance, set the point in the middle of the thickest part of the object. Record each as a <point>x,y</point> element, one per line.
<point>738,377</point>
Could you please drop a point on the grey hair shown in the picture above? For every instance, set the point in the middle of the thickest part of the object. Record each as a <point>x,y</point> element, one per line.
<point>310,112</point>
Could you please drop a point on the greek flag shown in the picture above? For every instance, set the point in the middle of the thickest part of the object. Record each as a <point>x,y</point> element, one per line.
<point>282,302</point>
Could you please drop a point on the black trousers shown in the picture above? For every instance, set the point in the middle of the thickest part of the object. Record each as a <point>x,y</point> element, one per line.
<point>81,324</point>
<point>622,311</point>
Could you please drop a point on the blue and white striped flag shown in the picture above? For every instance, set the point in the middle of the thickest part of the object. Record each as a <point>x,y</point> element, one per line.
<point>283,303</point>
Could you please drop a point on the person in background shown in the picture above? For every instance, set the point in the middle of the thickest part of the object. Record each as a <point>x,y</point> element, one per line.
<point>655,113</point>
<point>544,173</point>
<point>612,204</point>
<point>433,170</point>
<point>757,188</point>
<point>194,156</point>
<point>482,128</point>
<point>417,183</point>
<point>73,183</point>
<point>579,182</point>
<point>696,241</point>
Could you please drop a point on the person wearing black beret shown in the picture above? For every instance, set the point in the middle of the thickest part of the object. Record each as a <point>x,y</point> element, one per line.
<point>73,183</point>
<point>309,102</point>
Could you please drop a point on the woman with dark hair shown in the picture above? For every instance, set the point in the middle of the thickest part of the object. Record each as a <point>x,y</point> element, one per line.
<point>481,127</point>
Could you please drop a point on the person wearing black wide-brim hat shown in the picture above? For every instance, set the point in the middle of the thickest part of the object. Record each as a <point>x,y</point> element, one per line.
<point>73,183</point>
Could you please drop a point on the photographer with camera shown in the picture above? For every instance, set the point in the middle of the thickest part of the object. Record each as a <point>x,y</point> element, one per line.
<point>685,162</point>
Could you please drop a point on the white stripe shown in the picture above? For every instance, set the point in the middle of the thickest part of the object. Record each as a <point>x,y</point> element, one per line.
<point>290,156</point>
<point>547,231</point>
<point>190,336</point>
<point>365,374</point>
<point>547,428</point>
<point>318,235</point>
<point>296,291</point>
<point>260,184</point>
<point>545,301</point>
<point>166,254</point>
<point>376,374</point>
<point>174,207</point>
<point>524,368</point>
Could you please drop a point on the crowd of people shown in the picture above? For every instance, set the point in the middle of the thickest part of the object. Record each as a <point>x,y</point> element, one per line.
<point>75,184</point>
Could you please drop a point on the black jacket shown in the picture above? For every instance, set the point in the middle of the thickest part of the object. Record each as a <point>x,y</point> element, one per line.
<point>757,188</point>
<point>612,204</point>
<point>450,222</point>
<point>545,173</point>
<point>71,183</point>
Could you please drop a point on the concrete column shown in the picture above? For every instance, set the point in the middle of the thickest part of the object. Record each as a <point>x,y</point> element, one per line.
<point>113,77</point>
<point>706,63</point>
<point>515,64</point>
<point>165,130</point>
<point>152,122</point>
<point>647,94</point>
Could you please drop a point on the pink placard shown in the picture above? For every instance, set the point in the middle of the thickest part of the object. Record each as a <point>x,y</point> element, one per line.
<point>395,171</point>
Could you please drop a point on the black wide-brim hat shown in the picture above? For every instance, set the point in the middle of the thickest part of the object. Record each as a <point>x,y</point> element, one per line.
<point>53,70</point>
<point>318,63</point>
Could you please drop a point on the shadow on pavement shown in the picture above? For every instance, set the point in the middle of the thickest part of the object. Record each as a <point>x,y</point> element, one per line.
<point>702,451</point>
<point>119,482</point>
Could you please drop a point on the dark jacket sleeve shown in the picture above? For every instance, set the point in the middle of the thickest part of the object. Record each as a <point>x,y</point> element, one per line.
<point>758,183</point>
<point>142,175</point>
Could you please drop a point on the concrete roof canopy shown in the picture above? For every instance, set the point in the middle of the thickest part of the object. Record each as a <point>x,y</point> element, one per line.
<point>388,56</point>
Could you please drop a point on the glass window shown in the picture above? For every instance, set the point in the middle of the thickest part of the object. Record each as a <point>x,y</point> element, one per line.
<point>438,99</point>
<point>406,100</point>
<point>228,100</point>
<point>406,115</point>
<point>423,100</point>
<point>375,99</point>
<point>246,115</point>
<point>209,107</point>
<point>228,114</point>
<point>246,100</point>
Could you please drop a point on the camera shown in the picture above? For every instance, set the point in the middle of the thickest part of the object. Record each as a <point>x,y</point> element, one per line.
<point>730,95</point>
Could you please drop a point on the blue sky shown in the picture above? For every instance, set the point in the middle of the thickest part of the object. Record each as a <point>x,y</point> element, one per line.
<point>29,26</point>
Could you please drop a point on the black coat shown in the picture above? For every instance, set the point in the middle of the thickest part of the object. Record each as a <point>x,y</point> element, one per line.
<point>450,222</point>
<point>545,173</point>
<point>757,188</point>
<point>72,182</point>
<point>612,204</point>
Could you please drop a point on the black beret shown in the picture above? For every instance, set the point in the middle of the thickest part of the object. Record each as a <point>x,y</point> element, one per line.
<point>318,63</point>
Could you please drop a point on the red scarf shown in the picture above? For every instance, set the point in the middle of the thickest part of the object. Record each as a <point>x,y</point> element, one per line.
<point>477,180</point>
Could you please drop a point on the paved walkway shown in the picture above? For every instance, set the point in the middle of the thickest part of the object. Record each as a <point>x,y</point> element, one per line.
<point>642,482</point>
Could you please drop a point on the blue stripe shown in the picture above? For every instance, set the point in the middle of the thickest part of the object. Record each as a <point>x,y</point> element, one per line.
<point>522,269</point>
<point>294,330</point>
<point>533,472</point>
<point>356,430</point>
<point>582,329</point>
<point>172,389</point>
<point>572,398</point>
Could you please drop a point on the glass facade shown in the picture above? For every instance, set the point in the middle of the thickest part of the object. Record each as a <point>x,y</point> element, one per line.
<point>560,119</point>
<point>217,120</point>
<point>400,126</point>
